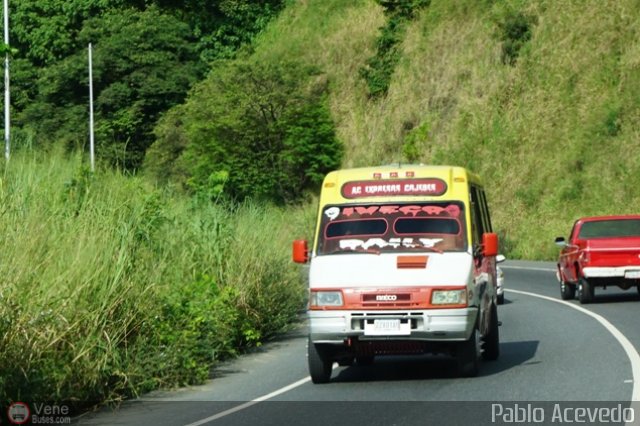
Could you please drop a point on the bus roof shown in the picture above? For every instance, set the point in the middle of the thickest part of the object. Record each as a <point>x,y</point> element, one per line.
<point>396,182</point>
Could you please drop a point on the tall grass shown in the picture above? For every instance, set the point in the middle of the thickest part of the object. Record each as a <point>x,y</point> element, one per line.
<point>111,287</point>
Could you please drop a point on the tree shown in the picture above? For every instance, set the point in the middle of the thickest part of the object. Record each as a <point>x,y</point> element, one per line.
<point>223,26</point>
<point>147,55</point>
<point>143,63</point>
<point>263,125</point>
<point>45,31</point>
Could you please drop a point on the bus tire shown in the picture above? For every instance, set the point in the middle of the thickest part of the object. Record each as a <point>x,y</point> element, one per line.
<point>320,363</point>
<point>491,342</point>
<point>468,355</point>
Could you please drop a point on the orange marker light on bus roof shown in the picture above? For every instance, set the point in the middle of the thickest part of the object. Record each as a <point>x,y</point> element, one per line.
<point>377,175</point>
<point>329,184</point>
<point>459,179</point>
<point>410,174</point>
<point>393,174</point>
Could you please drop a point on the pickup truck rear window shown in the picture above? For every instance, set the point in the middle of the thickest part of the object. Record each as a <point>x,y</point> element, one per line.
<point>610,228</point>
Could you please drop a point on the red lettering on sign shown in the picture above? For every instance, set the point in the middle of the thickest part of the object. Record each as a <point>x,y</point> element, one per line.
<point>410,210</point>
<point>366,210</point>
<point>453,210</point>
<point>388,209</point>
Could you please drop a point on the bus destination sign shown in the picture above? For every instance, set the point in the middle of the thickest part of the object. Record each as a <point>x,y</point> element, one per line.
<point>395,187</point>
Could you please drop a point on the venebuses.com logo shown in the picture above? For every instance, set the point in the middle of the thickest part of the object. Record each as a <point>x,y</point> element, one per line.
<point>20,413</point>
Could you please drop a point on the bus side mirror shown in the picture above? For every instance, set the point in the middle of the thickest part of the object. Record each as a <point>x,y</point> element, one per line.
<point>490,244</point>
<point>300,251</point>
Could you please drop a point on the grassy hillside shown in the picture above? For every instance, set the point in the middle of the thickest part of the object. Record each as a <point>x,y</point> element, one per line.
<point>553,132</point>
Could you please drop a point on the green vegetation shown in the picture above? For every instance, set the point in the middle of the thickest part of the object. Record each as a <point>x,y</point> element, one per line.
<point>220,121</point>
<point>513,30</point>
<point>142,66</point>
<point>112,287</point>
<point>146,57</point>
<point>254,128</point>
<point>378,69</point>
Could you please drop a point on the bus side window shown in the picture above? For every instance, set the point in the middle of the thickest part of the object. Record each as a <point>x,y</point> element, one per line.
<point>486,217</point>
<point>477,224</point>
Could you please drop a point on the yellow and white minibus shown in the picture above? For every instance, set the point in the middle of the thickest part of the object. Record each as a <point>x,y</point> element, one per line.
<point>403,262</point>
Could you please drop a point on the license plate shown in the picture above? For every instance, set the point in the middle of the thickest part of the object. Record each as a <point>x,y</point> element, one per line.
<point>386,327</point>
<point>632,274</point>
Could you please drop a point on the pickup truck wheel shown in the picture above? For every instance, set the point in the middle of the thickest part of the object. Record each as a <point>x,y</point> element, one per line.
<point>320,363</point>
<point>585,291</point>
<point>567,291</point>
<point>468,355</point>
<point>491,342</point>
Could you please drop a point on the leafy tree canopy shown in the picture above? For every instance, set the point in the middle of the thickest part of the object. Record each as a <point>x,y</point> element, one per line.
<point>143,63</point>
<point>147,54</point>
<point>262,128</point>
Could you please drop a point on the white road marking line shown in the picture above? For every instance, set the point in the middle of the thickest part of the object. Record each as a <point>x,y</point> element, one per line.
<point>628,347</point>
<point>254,401</point>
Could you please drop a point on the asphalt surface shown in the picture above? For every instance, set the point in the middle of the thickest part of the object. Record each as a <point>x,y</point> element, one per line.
<point>556,364</point>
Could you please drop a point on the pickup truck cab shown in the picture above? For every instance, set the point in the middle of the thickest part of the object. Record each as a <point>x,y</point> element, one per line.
<point>403,262</point>
<point>601,251</point>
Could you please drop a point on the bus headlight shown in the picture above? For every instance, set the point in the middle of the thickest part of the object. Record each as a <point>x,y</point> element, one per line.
<point>325,298</point>
<point>449,297</point>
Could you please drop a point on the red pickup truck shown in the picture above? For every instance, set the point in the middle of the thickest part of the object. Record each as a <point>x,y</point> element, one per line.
<point>601,251</point>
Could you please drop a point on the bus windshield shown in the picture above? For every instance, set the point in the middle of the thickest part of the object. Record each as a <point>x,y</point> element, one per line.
<point>432,226</point>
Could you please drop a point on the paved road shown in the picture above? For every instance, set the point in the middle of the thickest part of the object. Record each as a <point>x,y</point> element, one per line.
<point>554,357</point>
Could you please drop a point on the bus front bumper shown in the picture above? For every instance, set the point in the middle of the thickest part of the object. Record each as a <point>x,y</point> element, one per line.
<point>437,325</point>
